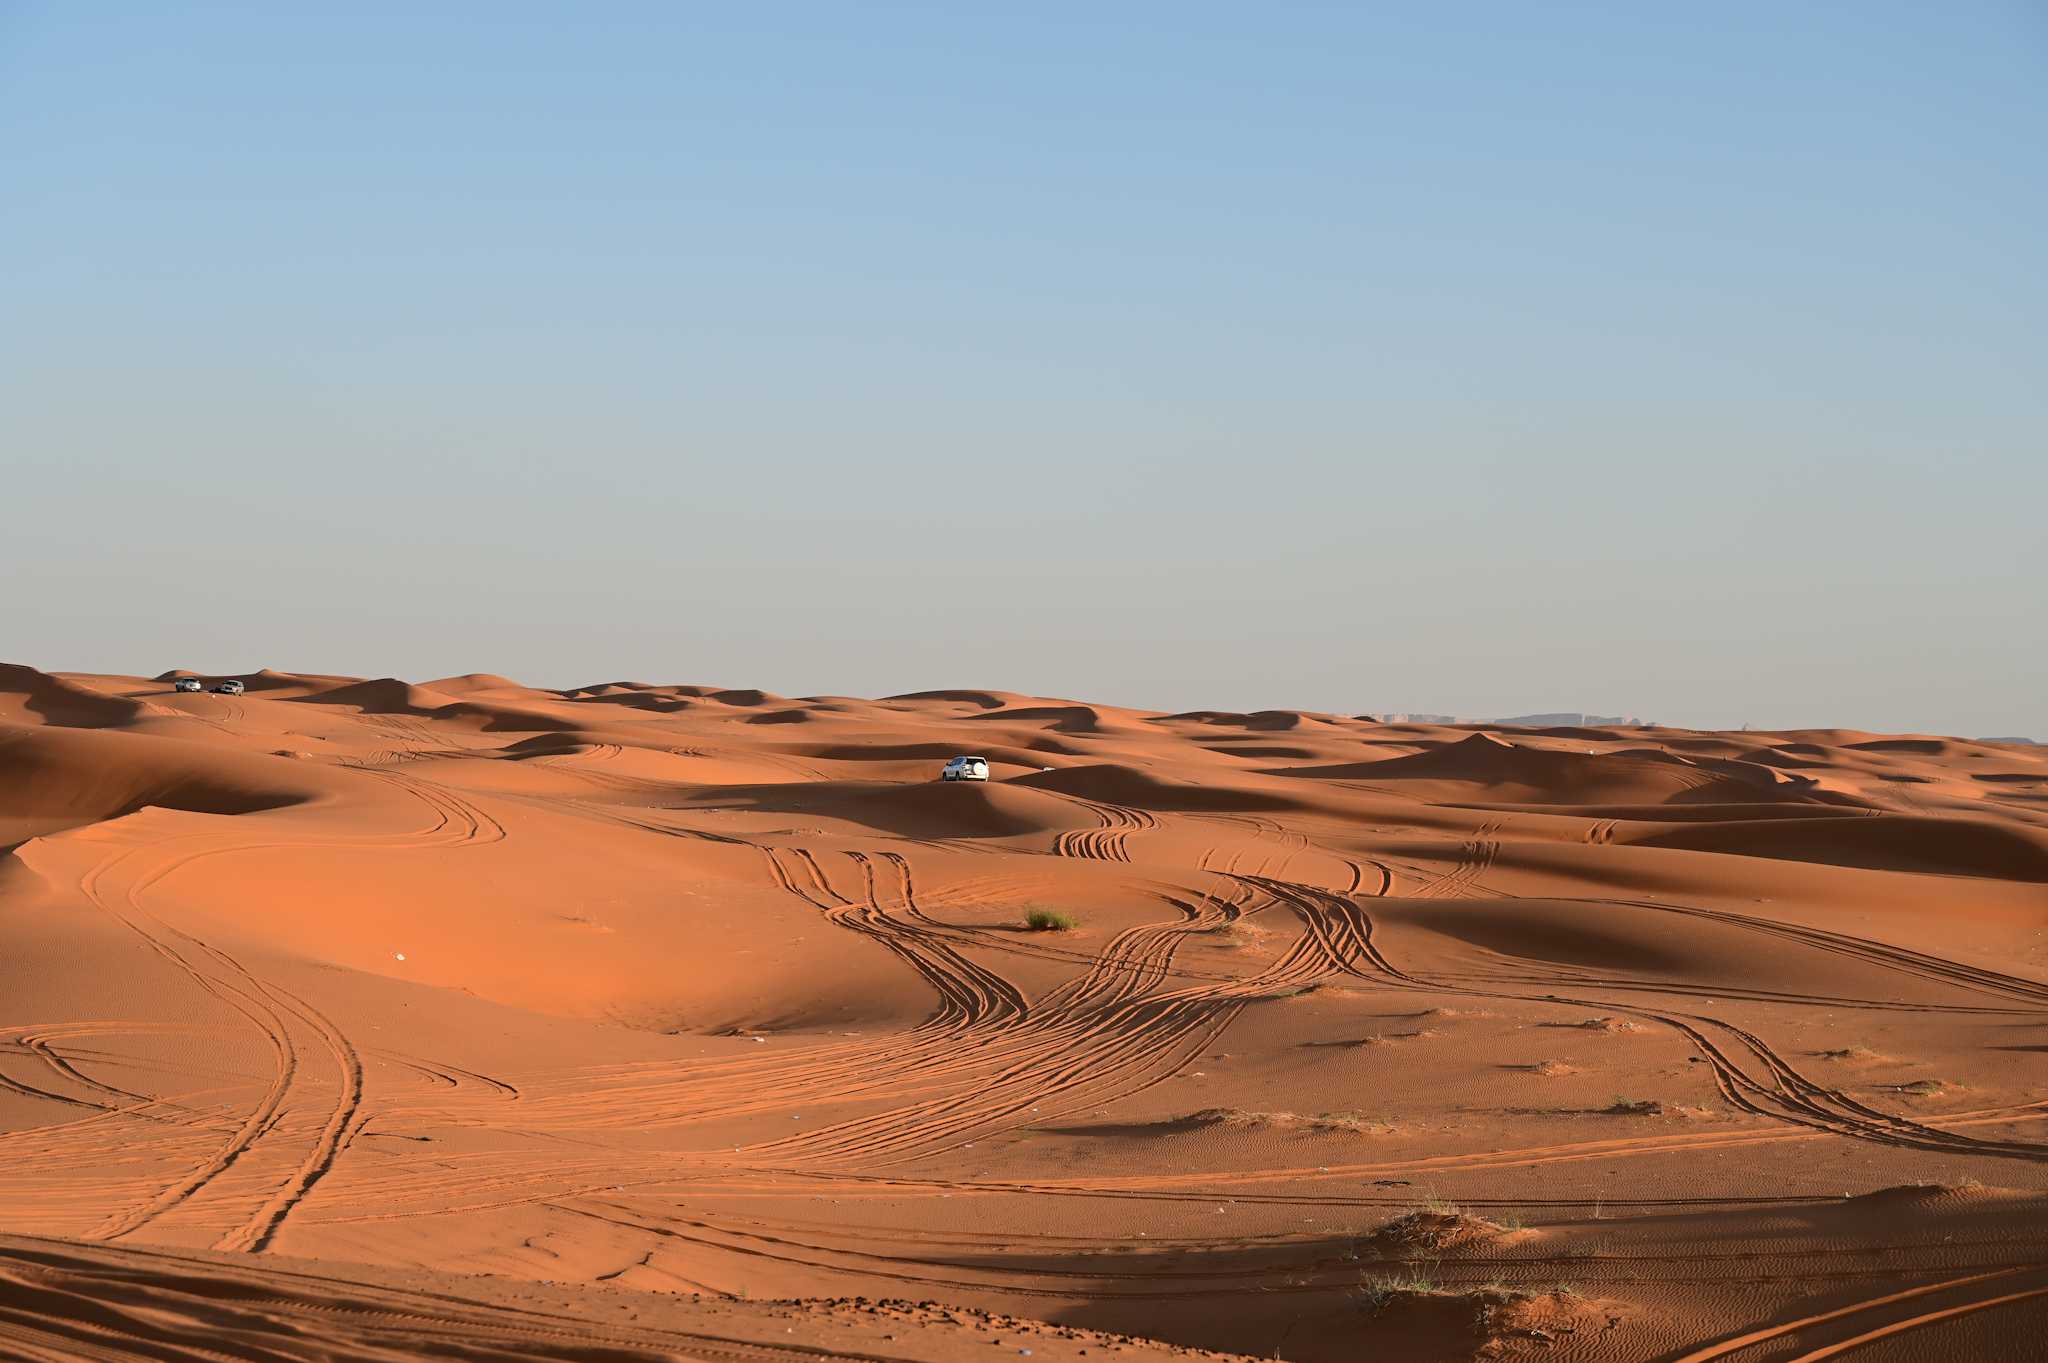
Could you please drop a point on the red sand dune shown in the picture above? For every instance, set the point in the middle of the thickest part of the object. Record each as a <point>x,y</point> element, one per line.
<point>367,1019</point>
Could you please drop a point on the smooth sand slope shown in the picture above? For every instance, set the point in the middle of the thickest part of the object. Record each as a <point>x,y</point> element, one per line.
<point>365,1019</point>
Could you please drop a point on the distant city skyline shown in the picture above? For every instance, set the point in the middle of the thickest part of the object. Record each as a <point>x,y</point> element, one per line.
<point>1680,362</point>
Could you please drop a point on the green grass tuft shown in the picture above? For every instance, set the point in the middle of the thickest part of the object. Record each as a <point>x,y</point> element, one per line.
<point>1377,1292</point>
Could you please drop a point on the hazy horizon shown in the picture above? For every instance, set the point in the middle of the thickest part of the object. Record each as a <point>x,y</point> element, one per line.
<point>1390,714</point>
<point>1682,364</point>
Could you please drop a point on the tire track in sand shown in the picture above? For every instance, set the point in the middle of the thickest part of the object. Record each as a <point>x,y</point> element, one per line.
<point>1110,839</point>
<point>1779,1091</point>
<point>1822,1335</point>
<point>116,885</point>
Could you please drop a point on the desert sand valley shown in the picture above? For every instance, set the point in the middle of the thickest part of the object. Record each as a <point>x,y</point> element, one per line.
<point>360,1019</point>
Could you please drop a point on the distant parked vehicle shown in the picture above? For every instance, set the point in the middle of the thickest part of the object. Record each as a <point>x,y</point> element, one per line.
<point>231,688</point>
<point>190,684</point>
<point>965,769</point>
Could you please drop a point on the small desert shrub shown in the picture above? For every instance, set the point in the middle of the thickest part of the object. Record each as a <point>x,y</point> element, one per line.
<point>1048,920</point>
<point>1625,1106</point>
<point>1431,1231</point>
<point>1377,1291</point>
<point>1920,1087</point>
<point>1608,1024</point>
<point>1322,1123</point>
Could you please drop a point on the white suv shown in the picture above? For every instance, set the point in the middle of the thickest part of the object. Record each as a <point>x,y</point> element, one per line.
<point>230,688</point>
<point>965,769</point>
<point>189,684</point>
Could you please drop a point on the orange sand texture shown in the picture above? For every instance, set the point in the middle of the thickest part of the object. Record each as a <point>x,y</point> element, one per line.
<point>366,1020</point>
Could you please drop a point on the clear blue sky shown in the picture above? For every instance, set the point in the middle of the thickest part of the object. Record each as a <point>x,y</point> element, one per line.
<point>1683,360</point>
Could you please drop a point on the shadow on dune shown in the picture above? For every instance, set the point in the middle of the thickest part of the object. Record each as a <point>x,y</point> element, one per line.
<point>651,701</point>
<point>1917,747</point>
<point>56,779</point>
<point>1296,1298</point>
<point>925,810</point>
<point>935,753</point>
<point>1888,842</point>
<point>1113,783</point>
<point>1833,806</point>
<point>384,696</point>
<point>1066,719</point>
<point>1599,936</point>
<point>63,703</point>
<point>1550,776</point>
<point>1256,721</point>
<point>984,700</point>
<point>390,696</point>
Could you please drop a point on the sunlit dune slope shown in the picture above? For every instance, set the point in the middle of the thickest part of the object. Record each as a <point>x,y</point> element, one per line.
<point>371,1018</point>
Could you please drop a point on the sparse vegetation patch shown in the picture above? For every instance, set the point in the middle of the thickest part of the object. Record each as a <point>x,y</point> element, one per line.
<point>1381,1290</point>
<point>1351,1123</point>
<point>1623,1106</point>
